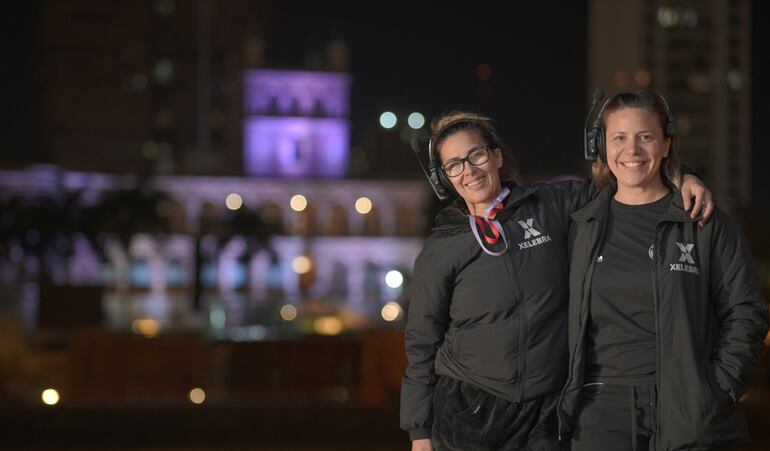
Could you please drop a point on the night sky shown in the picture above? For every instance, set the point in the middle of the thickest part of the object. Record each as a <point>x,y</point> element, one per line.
<point>409,56</point>
<point>760,112</point>
<point>412,57</point>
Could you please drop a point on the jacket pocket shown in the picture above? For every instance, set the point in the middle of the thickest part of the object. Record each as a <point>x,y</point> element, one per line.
<point>492,350</point>
<point>720,394</point>
<point>723,423</point>
<point>456,400</point>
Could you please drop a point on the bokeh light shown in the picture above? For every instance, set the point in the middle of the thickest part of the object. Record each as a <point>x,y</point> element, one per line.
<point>416,121</point>
<point>197,395</point>
<point>50,396</point>
<point>327,325</point>
<point>233,201</point>
<point>388,120</point>
<point>288,312</point>
<point>363,205</point>
<point>301,264</point>
<point>391,311</point>
<point>298,202</point>
<point>394,279</point>
<point>147,327</point>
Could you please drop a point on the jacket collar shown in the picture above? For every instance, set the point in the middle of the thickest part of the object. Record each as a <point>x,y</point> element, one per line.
<point>597,208</point>
<point>455,215</point>
<point>676,211</point>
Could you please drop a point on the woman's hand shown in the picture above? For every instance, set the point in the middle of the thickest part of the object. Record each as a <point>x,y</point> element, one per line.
<point>423,444</point>
<point>697,197</point>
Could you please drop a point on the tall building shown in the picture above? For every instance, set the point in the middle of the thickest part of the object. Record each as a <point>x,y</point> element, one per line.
<point>145,86</point>
<point>697,55</point>
<point>296,123</point>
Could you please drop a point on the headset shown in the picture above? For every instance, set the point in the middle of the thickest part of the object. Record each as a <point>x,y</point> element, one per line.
<point>595,138</point>
<point>435,174</point>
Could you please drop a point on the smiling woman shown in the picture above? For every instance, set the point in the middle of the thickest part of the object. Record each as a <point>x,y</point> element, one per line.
<point>478,182</point>
<point>486,333</point>
<point>636,148</point>
<point>640,151</point>
<point>665,316</point>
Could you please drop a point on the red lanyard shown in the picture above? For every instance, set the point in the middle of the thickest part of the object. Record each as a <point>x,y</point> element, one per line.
<point>488,229</point>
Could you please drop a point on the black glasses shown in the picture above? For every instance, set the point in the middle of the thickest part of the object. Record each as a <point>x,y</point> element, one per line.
<point>477,156</point>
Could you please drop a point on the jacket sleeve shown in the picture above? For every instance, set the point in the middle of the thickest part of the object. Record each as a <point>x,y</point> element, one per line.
<point>573,193</point>
<point>741,311</point>
<point>427,321</point>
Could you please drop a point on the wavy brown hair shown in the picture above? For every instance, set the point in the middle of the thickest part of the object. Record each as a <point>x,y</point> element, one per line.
<point>456,121</point>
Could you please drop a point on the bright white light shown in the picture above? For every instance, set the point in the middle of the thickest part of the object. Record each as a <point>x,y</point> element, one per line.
<point>416,120</point>
<point>363,205</point>
<point>50,396</point>
<point>388,120</point>
<point>301,265</point>
<point>288,312</point>
<point>298,202</point>
<point>391,311</point>
<point>394,279</point>
<point>233,201</point>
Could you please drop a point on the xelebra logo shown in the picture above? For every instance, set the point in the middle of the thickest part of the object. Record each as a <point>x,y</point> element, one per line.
<point>686,262</point>
<point>528,230</point>
<point>534,236</point>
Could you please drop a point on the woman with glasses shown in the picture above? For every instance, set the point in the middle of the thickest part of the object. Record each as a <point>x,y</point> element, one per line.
<point>666,318</point>
<point>486,329</point>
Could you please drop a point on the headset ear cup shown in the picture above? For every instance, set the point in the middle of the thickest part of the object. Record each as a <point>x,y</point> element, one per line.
<point>591,144</point>
<point>436,177</point>
<point>445,182</point>
<point>594,141</point>
<point>601,142</point>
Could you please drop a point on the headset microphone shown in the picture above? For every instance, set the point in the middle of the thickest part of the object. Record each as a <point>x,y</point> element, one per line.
<point>589,136</point>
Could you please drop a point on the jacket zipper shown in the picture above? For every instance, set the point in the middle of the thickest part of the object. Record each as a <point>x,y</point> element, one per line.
<point>655,304</point>
<point>587,274</point>
<point>522,327</point>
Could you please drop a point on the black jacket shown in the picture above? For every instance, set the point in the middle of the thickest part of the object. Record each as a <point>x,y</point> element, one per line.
<point>710,322</point>
<point>498,323</point>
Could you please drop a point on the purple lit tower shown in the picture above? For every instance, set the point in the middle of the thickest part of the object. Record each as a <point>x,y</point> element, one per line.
<point>296,123</point>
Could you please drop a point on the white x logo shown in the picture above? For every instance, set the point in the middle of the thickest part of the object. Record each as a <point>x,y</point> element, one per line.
<point>528,230</point>
<point>686,249</point>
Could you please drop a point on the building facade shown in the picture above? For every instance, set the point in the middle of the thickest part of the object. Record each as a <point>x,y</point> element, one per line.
<point>697,55</point>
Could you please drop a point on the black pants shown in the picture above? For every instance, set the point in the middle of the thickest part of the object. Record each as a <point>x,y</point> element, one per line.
<point>616,417</point>
<point>466,418</point>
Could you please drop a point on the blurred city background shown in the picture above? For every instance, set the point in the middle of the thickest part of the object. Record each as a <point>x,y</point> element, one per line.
<point>209,209</point>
